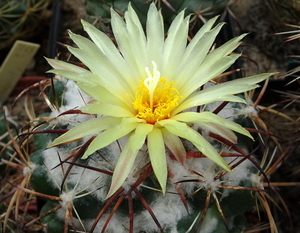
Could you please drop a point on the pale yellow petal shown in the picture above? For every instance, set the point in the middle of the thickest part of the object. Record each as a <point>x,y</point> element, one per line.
<point>184,131</point>
<point>127,157</point>
<point>194,55</point>
<point>175,145</point>
<point>155,34</point>
<point>86,128</point>
<point>108,136</point>
<point>137,38</point>
<point>222,92</point>
<point>137,139</point>
<point>195,42</point>
<point>103,68</point>
<point>106,45</point>
<point>61,65</point>
<point>174,46</point>
<point>107,109</point>
<point>157,154</point>
<point>208,117</point>
<point>99,93</point>
<point>205,72</point>
<point>219,130</point>
<point>121,35</point>
<point>87,77</point>
<point>122,169</point>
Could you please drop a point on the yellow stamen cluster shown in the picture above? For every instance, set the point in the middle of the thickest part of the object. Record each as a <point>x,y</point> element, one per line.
<point>157,103</point>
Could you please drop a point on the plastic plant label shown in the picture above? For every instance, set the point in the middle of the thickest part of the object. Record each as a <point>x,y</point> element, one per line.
<point>14,65</point>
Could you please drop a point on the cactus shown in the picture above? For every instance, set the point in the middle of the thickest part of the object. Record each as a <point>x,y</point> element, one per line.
<point>81,185</point>
<point>19,19</point>
<point>87,189</point>
<point>201,10</point>
<point>206,188</point>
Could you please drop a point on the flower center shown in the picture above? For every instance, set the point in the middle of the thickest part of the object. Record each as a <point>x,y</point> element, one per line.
<point>154,98</point>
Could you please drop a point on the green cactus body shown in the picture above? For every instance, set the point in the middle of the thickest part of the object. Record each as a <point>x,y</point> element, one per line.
<point>89,187</point>
<point>161,160</point>
<point>211,7</point>
<point>52,222</point>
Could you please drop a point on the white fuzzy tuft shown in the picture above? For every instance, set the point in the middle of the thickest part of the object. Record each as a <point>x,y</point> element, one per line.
<point>256,182</point>
<point>118,223</point>
<point>52,158</point>
<point>75,99</point>
<point>67,197</point>
<point>29,168</point>
<point>248,111</point>
<point>239,174</point>
<point>167,208</point>
<point>209,226</point>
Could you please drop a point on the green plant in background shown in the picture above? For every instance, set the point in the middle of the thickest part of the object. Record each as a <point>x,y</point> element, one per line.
<point>142,139</point>
<point>99,11</point>
<point>19,19</point>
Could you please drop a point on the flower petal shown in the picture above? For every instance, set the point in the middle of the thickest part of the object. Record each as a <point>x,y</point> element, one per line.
<point>86,128</point>
<point>103,68</point>
<point>194,55</point>
<point>174,46</point>
<point>108,136</point>
<point>208,117</point>
<point>206,72</point>
<point>157,154</point>
<point>137,139</point>
<point>105,44</point>
<point>220,130</point>
<point>202,76</point>
<point>155,34</point>
<point>86,77</point>
<point>107,109</point>
<point>61,65</point>
<point>195,42</point>
<point>128,49</point>
<point>127,157</point>
<point>222,92</point>
<point>175,145</point>
<point>101,94</point>
<point>137,38</point>
<point>184,131</point>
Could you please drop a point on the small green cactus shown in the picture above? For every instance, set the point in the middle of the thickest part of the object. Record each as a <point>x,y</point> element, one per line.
<point>202,9</point>
<point>19,19</point>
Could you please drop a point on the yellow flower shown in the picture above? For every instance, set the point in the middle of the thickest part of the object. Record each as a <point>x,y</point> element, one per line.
<point>145,89</point>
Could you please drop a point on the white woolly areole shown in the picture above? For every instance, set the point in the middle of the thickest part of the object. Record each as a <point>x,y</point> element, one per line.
<point>209,226</point>
<point>256,182</point>
<point>239,174</point>
<point>248,111</point>
<point>29,168</point>
<point>90,180</point>
<point>68,119</point>
<point>73,95</point>
<point>226,113</point>
<point>75,98</point>
<point>203,166</point>
<point>51,160</point>
<point>168,209</point>
<point>118,223</point>
<point>67,197</point>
